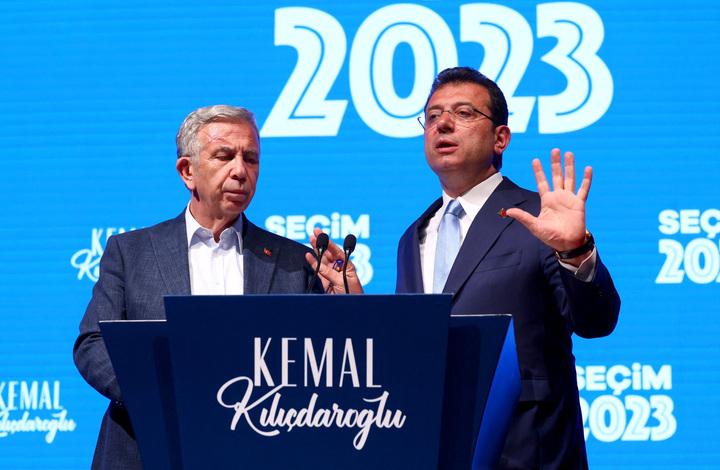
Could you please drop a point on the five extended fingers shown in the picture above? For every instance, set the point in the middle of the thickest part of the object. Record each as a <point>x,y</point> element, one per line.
<point>561,179</point>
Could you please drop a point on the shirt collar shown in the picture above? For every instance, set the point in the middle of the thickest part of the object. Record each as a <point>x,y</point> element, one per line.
<point>474,198</point>
<point>192,228</point>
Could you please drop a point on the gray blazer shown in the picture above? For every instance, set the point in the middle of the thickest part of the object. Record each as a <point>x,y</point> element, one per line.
<point>137,269</point>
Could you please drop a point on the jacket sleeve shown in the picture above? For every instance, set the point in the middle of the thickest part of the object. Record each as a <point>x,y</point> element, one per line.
<point>107,303</point>
<point>590,308</point>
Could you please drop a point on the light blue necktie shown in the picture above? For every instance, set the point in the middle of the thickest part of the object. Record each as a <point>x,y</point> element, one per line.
<point>448,244</point>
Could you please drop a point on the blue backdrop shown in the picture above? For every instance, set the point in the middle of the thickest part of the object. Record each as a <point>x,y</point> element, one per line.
<point>92,95</point>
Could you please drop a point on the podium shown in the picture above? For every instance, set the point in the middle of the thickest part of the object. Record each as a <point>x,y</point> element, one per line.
<point>316,381</point>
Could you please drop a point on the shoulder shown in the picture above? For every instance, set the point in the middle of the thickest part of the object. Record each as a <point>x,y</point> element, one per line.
<point>508,185</point>
<point>421,221</point>
<point>142,236</point>
<point>256,238</point>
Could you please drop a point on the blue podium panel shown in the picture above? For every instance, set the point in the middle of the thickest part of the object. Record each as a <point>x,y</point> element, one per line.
<point>140,354</point>
<point>502,398</point>
<point>322,382</point>
<point>482,386</point>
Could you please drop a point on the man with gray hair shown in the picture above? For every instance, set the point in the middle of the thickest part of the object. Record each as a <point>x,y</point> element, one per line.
<point>211,248</point>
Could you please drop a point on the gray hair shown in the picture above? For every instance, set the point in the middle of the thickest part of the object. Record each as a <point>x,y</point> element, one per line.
<point>187,141</point>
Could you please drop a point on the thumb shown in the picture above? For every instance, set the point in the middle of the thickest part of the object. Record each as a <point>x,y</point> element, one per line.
<point>521,216</point>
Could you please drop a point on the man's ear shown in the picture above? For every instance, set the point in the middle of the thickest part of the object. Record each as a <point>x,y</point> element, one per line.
<point>186,170</point>
<point>502,139</point>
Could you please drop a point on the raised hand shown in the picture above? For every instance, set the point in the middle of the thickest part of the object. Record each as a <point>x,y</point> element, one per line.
<point>561,222</point>
<point>332,278</point>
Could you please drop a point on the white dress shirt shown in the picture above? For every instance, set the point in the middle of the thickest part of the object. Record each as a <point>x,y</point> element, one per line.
<point>216,268</point>
<point>472,201</point>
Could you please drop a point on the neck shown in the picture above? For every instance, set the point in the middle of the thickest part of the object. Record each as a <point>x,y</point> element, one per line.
<point>457,186</point>
<point>216,224</point>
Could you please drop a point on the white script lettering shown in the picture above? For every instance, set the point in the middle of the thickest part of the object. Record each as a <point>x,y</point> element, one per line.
<point>277,417</point>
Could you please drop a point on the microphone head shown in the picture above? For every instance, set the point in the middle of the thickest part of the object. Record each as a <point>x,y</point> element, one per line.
<point>321,244</point>
<point>349,244</point>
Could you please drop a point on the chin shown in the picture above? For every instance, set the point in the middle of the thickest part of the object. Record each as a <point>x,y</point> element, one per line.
<point>235,209</point>
<point>444,165</point>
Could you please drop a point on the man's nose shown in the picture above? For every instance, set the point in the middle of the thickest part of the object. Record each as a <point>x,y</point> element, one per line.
<point>445,122</point>
<point>239,170</point>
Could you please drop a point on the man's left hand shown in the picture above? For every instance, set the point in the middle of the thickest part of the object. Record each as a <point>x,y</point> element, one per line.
<point>561,222</point>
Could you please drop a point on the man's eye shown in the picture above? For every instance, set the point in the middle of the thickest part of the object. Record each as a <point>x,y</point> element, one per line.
<point>432,117</point>
<point>464,113</point>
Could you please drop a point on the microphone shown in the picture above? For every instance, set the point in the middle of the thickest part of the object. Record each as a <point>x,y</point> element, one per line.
<point>348,247</point>
<point>321,244</point>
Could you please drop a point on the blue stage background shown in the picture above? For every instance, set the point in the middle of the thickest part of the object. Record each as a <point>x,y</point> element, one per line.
<point>92,95</point>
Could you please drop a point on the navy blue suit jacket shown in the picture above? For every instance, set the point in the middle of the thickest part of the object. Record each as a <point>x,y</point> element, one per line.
<point>137,269</point>
<point>502,268</point>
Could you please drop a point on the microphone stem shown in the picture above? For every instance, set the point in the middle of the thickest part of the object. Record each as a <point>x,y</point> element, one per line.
<point>347,258</point>
<point>317,270</point>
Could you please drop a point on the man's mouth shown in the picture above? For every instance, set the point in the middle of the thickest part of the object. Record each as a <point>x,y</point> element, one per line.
<point>237,193</point>
<point>445,145</point>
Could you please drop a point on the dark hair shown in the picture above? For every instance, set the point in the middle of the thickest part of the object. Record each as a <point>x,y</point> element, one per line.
<point>456,75</point>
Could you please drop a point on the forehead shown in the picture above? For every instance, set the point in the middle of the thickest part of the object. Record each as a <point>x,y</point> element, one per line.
<point>236,133</point>
<point>453,94</point>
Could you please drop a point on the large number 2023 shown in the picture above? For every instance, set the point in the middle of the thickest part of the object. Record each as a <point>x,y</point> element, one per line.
<point>302,109</point>
<point>606,419</point>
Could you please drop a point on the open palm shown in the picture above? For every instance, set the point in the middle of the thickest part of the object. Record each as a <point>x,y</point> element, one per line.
<point>561,221</point>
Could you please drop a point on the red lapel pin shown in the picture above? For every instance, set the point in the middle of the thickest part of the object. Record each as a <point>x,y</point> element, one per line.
<point>267,252</point>
<point>502,213</point>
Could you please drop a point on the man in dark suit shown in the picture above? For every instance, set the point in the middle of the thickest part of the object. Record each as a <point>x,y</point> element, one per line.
<point>210,248</point>
<point>523,253</point>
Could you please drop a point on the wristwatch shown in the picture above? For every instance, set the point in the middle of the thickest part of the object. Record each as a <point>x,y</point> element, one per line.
<point>581,250</point>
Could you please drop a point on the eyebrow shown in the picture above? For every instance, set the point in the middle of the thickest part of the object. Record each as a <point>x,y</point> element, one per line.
<point>224,149</point>
<point>454,105</point>
<point>231,150</point>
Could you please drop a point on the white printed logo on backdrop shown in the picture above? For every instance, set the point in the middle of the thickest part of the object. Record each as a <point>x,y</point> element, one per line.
<point>693,253</point>
<point>33,407</point>
<point>337,226</point>
<point>621,403</point>
<point>87,260</point>
<point>302,108</point>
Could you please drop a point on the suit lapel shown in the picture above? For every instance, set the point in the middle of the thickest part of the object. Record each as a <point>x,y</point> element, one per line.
<point>413,267</point>
<point>484,232</point>
<point>260,257</point>
<point>170,245</point>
